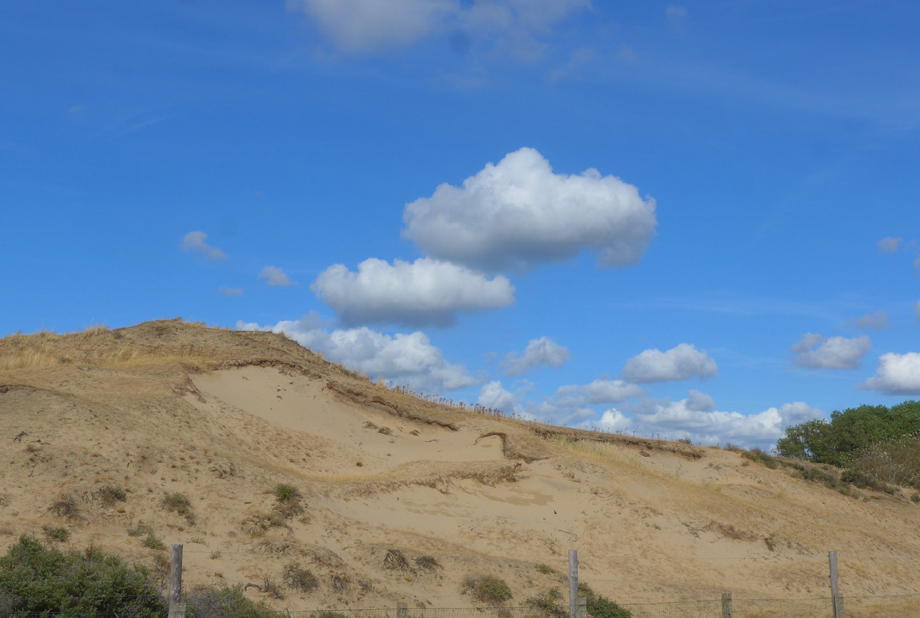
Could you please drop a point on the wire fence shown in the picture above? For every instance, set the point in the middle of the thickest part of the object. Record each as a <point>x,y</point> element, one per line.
<point>879,606</point>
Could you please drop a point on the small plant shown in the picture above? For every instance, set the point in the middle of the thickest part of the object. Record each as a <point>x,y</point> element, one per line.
<point>153,542</point>
<point>140,530</point>
<point>300,579</point>
<point>395,561</point>
<point>548,604</point>
<point>286,493</point>
<point>686,441</point>
<point>430,563</point>
<point>487,589</point>
<point>57,534</point>
<point>545,569</point>
<point>180,504</point>
<point>215,555</point>
<point>327,613</point>
<point>66,507</point>
<point>271,588</point>
<point>110,494</point>
<point>198,540</point>
<point>227,601</point>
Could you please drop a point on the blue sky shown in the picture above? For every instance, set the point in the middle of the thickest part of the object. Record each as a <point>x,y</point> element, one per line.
<point>696,219</point>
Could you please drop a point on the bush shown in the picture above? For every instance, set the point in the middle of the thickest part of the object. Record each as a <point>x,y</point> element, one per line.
<point>39,580</point>
<point>548,604</point>
<point>153,542</point>
<point>179,503</point>
<point>600,606</point>
<point>66,507</point>
<point>759,456</point>
<point>286,493</point>
<point>427,563</point>
<point>488,589</point>
<point>226,602</point>
<point>110,494</point>
<point>57,534</point>
<point>140,530</point>
<point>300,579</point>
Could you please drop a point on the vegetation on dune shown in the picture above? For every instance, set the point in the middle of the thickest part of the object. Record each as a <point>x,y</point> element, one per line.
<point>487,589</point>
<point>36,579</point>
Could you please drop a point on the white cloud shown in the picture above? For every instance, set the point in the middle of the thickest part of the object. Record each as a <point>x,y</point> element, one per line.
<point>539,352</point>
<point>817,352</point>
<point>700,402</point>
<point>676,14</point>
<point>274,276</point>
<point>195,242</point>
<point>877,320</point>
<point>363,26</point>
<point>889,244</point>
<point>403,358</point>
<point>599,391</point>
<point>679,419</point>
<point>230,291</point>
<point>493,395</point>
<point>679,363</point>
<point>518,213</point>
<point>419,293</point>
<point>897,374</point>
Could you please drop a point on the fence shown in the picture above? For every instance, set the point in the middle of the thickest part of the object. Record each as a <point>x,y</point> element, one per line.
<point>891,606</point>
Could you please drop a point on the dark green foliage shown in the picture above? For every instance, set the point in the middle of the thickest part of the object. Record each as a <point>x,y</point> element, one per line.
<point>57,534</point>
<point>88,584</point>
<point>548,604</point>
<point>488,589</point>
<point>326,613</point>
<point>600,606</point>
<point>759,456</point>
<point>179,503</point>
<point>226,602</point>
<point>835,442</point>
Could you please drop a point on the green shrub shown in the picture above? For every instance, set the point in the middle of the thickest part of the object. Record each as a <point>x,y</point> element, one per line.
<point>45,581</point>
<point>57,534</point>
<point>226,602</point>
<point>545,569</point>
<point>153,542</point>
<point>548,604</point>
<point>140,530</point>
<point>110,494</point>
<point>759,456</point>
<point>286,493</point>
<point>179,503</point>
<point>488,589</point>
<point>600,606</point>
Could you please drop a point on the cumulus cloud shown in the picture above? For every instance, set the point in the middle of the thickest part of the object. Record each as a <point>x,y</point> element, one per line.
<point>363,26</point>
<point>420,293</point>
<point>599,391</point>
<point>889,244</point>
<point>194,242</point>
<point>700,402</point>
<point>814,351</point>
<point>403,358</point>
<point>274,276</point>
<point>493,395</point>
<point>679,363</point>
<point>538,353</point>
<point>518,213</point>
<point>877,321</point>
<point>682,419</point>
<point>897,374</point>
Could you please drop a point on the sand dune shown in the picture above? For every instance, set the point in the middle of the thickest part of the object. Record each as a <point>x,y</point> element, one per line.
<point>224,416</point>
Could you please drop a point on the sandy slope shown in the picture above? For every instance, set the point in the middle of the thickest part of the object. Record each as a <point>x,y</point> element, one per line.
<point>224,416</point>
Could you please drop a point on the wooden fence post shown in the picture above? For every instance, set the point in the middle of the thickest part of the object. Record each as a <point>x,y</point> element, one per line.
<point>726,605</point>
<point>176,609</point>
<point>581,611</point>
<point>402,610</point>
<point>573,582</point>
<point>836,598</point>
